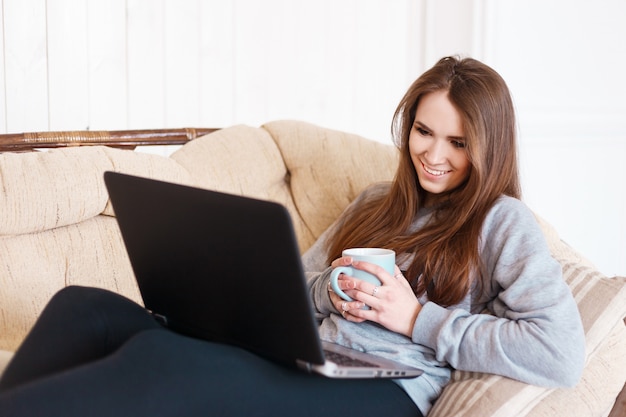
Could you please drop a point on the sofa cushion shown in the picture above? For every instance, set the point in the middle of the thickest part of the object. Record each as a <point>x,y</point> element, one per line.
<point>44,190</point>
<point>328,169</point>
<point>481,395</point>
<point>293,163</point>
<point>53,234</point>
<point>40,189</point>
<point>602,305</point>
<point>601,382</point>
<point>239,160</point>
<point>242,160</point>
<point>34,266</point>
<point>5,357</point>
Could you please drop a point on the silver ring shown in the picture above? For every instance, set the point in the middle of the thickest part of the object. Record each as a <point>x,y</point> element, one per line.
<point>374,291</point>
<point>344,306</point>
<point>397,276</point>
<point>330,289</point>
<point>343,314</point>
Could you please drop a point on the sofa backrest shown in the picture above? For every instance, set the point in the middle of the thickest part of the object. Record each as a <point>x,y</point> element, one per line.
<point>58,230</point>
<point>315,172</point>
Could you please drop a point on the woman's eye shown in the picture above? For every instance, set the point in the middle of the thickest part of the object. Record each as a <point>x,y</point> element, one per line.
<point>458,144</point>
<point>422,131</point>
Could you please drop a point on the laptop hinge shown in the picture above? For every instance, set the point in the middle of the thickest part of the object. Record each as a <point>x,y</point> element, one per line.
<point>306,366</point>
<point>160,318</point>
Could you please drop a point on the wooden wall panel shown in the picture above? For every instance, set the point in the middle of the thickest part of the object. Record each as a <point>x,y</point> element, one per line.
<point>565,67</point>
<point>251,44</point>
<point>3,108</point>
<point>140,64</point>
<point>181,44</point>
<point>25,65</point>
<point>154,63</point>
<point>298,31</point>
<point>146,63</point>
<point>449,29</point>
<point>561,61</point>
<point>217,63</point>
<point>376,95</point>
<point>107,57</point>
<point>68,64</point>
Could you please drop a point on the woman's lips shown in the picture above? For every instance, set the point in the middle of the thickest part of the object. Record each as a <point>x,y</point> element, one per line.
<point>435,172</point>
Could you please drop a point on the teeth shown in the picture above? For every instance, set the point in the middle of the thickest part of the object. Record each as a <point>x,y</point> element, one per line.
<point>432,172</point>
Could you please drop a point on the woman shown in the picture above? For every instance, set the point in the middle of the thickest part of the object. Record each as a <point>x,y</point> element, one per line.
<point>481,292</point>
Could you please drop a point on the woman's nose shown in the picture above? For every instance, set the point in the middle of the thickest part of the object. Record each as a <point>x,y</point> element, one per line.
<point>436,152</point>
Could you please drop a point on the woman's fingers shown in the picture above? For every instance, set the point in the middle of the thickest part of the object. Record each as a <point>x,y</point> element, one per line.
<point>343,261</point>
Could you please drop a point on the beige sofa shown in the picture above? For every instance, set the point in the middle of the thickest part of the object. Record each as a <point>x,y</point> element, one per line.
<point>57,229</point>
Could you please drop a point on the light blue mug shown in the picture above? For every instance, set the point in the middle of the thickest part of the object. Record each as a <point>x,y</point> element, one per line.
<point>386,258</point>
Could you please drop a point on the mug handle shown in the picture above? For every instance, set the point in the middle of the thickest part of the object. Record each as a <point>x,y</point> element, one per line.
<point>334,275</point>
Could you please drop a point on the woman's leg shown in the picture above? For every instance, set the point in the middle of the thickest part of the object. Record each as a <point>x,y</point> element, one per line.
<point>79,325</point>
<point>160,373</point>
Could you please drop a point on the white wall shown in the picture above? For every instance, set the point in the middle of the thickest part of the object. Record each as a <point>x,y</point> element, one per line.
<point>116,64</point>
<point>344,64</point>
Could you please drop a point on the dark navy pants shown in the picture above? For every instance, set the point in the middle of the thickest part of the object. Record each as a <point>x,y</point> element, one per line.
<point>95,353</point>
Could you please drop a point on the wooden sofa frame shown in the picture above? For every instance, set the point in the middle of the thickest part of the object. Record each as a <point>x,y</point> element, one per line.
<point>127,139</point>
<point>130,139</point>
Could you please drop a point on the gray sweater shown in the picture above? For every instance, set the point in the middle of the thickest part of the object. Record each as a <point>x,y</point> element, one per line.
<point>524,324</point>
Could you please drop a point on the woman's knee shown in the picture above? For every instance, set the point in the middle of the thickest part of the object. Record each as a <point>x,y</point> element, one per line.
<point>93,299</point>
<point>75,294</point>
<point>97,310</point>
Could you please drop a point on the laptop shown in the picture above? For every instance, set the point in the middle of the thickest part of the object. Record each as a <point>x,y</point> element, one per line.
<point>227,268</point>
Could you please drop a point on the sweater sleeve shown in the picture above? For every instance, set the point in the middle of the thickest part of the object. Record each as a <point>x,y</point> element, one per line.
<point>532,331</point>
<point>317,273</point>
<point>314,260</point>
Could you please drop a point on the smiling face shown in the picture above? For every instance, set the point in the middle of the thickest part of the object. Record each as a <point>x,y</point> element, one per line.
<point>437,146</point>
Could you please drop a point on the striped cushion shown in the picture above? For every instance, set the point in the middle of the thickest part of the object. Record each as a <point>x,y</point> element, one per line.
<point>602,305</point>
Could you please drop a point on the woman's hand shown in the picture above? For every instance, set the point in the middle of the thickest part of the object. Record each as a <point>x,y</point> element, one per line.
<point>392,304</point>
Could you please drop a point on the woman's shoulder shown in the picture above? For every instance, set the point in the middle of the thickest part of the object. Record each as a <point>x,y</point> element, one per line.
<point>376,190</point>
<point>373,192</point>
<point>508,216</point>
<point>508,201</point>
<point>370,195</point>
<point>506,206</point>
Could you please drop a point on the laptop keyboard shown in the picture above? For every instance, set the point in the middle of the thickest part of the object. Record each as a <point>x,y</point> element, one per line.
<point>345,360</point>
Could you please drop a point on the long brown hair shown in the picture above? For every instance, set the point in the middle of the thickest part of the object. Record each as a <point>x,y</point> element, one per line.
<point>446,249</point>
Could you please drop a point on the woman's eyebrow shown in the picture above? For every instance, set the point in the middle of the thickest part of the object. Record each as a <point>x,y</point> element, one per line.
<point>422,125</point>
